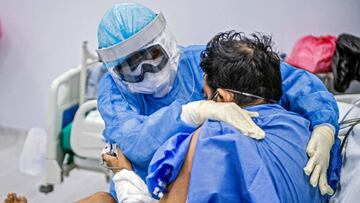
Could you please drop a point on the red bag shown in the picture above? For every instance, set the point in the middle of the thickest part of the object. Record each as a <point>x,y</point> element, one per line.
<point>313,53</point>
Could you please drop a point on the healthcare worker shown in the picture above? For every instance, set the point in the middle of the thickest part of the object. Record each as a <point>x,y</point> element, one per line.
<point>143,97</point>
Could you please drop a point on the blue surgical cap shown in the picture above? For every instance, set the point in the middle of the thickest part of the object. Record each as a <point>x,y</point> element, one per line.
<point>121,22</point>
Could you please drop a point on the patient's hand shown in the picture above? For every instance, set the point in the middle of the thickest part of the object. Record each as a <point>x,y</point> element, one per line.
<point>117,163</point>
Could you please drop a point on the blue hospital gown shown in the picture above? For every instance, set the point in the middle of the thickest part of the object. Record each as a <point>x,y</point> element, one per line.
<point>230,167</point>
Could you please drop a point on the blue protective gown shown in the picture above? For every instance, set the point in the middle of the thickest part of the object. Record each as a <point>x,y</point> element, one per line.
<point>230,167</point>
<point>140,123</point>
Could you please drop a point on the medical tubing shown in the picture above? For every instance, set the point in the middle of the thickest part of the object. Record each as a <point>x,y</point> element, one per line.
<point>346,136</point>
<point>350,121</point>
<point>347,125</point>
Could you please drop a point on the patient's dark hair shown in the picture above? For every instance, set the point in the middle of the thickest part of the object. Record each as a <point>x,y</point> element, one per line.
<point>235,61</point>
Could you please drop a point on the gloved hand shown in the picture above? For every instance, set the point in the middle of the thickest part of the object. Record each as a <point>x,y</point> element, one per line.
<point>196,113</point>
<point>318,150</point>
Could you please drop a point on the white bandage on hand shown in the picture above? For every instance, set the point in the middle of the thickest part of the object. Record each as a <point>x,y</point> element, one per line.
<point>318,150</point>
<point>196,113</point>
<point>130,188</point>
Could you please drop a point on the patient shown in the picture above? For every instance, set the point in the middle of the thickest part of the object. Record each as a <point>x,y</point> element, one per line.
<point>219,164</point>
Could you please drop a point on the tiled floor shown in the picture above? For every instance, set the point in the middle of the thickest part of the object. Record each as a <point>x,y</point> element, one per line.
<point>79,184</point>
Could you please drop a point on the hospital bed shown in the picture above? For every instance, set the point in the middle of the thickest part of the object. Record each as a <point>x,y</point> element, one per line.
<point>75,130</point>
<point>354,100</point>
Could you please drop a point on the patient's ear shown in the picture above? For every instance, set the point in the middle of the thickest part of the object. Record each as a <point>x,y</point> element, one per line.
<point>225,96</point>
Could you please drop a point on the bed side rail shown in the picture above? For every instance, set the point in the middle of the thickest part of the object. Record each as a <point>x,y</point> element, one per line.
<point>64,94</point>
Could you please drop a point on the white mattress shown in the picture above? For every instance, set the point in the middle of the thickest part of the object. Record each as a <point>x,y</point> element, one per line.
<point>349,188</point>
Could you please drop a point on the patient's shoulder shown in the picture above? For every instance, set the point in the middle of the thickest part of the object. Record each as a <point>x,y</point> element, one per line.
<point>270,114</point>
<point>273,119</point>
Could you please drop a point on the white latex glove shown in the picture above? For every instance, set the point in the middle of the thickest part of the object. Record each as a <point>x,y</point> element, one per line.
<point>196,113</point>
<point>318,150</point>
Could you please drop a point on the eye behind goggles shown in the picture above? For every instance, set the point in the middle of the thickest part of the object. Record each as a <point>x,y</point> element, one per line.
<point>152,60</point>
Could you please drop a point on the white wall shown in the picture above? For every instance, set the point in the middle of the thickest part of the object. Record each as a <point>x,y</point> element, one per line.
<point>43,38</point>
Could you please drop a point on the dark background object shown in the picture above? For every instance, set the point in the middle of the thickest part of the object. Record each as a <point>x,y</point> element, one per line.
<point>328,80</point>
<point>346,61</point>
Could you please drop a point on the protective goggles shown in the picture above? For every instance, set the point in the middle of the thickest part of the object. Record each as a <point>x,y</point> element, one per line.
<point>216,94</point>
<point>150,60</point>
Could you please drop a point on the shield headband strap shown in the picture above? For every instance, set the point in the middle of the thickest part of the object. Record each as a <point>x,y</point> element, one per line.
<point>135,42</point>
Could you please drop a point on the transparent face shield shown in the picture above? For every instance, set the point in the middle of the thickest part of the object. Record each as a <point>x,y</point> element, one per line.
<point>117,54</point>
<point>146,62</point>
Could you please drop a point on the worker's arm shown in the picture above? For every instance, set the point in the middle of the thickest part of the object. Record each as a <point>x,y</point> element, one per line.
<point>306,95</point>
<point>137,135</point>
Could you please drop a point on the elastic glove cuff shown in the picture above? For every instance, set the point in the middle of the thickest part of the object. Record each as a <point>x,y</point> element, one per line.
<point>327,132</point>
<point>325,124</point>
<point>190,114</point>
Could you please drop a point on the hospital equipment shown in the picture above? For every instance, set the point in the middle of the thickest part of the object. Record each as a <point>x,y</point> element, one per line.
<point>348,118</point>
<point>348,191</point>
<point>74,141</point>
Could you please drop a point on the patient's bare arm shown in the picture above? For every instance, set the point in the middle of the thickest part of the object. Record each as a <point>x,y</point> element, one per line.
<point>177,191</point>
